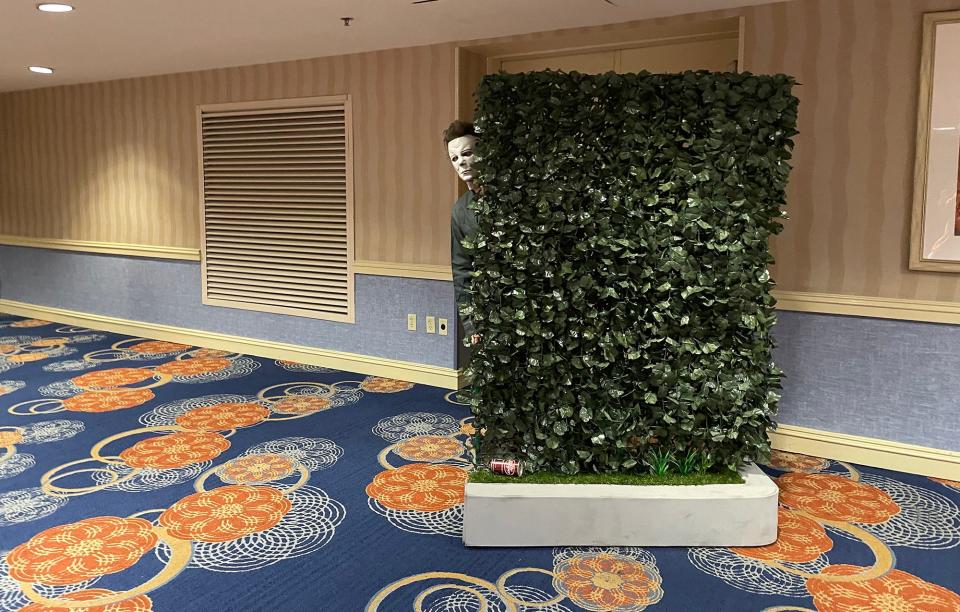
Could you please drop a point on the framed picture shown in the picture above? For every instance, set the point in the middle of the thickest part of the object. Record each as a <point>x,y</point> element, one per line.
<point>935,227</point>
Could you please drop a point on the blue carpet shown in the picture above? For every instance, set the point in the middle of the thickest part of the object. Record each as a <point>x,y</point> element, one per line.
<point>139,475</point>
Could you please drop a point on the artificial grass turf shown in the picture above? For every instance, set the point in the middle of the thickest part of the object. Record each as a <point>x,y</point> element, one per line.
<point>724,477</point>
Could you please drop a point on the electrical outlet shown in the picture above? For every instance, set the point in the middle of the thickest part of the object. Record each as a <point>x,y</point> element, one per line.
<point>431,324</point>
<point>411,322</point>
<point>443,326</point>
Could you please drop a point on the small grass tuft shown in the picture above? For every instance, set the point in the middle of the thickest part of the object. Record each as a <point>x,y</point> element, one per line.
<point>724,477</point>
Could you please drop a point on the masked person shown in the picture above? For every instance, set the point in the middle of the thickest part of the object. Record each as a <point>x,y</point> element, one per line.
<point>460,139</point>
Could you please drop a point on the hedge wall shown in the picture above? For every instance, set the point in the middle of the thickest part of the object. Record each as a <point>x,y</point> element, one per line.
<point>620,282</point>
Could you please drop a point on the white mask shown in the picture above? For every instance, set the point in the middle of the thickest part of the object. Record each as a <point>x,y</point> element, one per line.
<point>460,151</point>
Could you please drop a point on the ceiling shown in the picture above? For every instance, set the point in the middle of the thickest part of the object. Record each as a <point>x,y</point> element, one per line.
<point>111,39</point>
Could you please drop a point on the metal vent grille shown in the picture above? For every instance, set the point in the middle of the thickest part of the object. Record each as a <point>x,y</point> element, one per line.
<point>277,206</point>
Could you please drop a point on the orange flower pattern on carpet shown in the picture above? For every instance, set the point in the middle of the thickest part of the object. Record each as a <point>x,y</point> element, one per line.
<point>950,483</point>
<point>175,450</point>
<point>799,539</point>
<point>30,323</point>
<point>114,377</point>
<point>428,488</point>
<point>376,384</point>
<point>157,347</point>
<point>79,551</point>
<point>45,342</point>
<point>795,462</point>
<point>107,400</point>
<point>226,513</point>
<point>192,367</point>
<point>27,357</point>
<point>209,352</point>
<point>429,448</point>
<point>221,417</point>
<point>894,591</point>
<point>139,603</point>
<point>9,438</point>
<point>604,581</point>
<point>835,498</point>
<point>257,468</point>
<point>305,404</point>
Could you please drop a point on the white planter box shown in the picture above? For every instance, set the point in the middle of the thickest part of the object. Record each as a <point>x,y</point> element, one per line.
<point>620,515</point>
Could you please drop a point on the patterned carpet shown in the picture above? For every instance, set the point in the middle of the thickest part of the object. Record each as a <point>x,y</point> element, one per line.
<point>143,475</point>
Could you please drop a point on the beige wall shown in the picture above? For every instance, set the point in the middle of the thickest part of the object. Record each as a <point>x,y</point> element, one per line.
<point>115,161</point>
<point>850,193</point>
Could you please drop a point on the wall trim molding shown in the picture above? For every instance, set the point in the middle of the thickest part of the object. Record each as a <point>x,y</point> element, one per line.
<point>360,266</point>
<point>496,59</point>
<point>111,248</point>
<point>927,311</point>
<point>406,270</point>
<point>447,378</point>
<point>873,452</point>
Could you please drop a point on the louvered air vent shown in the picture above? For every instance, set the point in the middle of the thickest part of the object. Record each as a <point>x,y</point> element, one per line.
<point>277,200</point>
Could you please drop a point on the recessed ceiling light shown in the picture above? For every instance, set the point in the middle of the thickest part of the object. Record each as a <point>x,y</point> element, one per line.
<point>41,69</point>
<point>53,7</point>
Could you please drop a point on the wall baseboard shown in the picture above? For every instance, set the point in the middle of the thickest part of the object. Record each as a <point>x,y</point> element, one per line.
<point>868,451</point>
<point>446,378</point>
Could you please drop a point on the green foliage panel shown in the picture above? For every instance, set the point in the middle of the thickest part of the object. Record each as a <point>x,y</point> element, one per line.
<point>620,273</point>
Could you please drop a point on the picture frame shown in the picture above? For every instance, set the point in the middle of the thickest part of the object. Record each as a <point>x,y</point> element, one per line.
<point>935,221</point>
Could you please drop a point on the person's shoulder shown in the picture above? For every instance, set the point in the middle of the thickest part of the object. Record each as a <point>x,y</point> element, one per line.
<point>460,206</point>
<point>464,199</point>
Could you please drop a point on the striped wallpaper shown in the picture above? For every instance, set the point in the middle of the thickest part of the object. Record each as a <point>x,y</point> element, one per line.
<point>115,161</point>
<point>850,193</point>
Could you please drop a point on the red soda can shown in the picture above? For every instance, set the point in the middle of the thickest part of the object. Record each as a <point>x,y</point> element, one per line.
<point>507,467</point>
